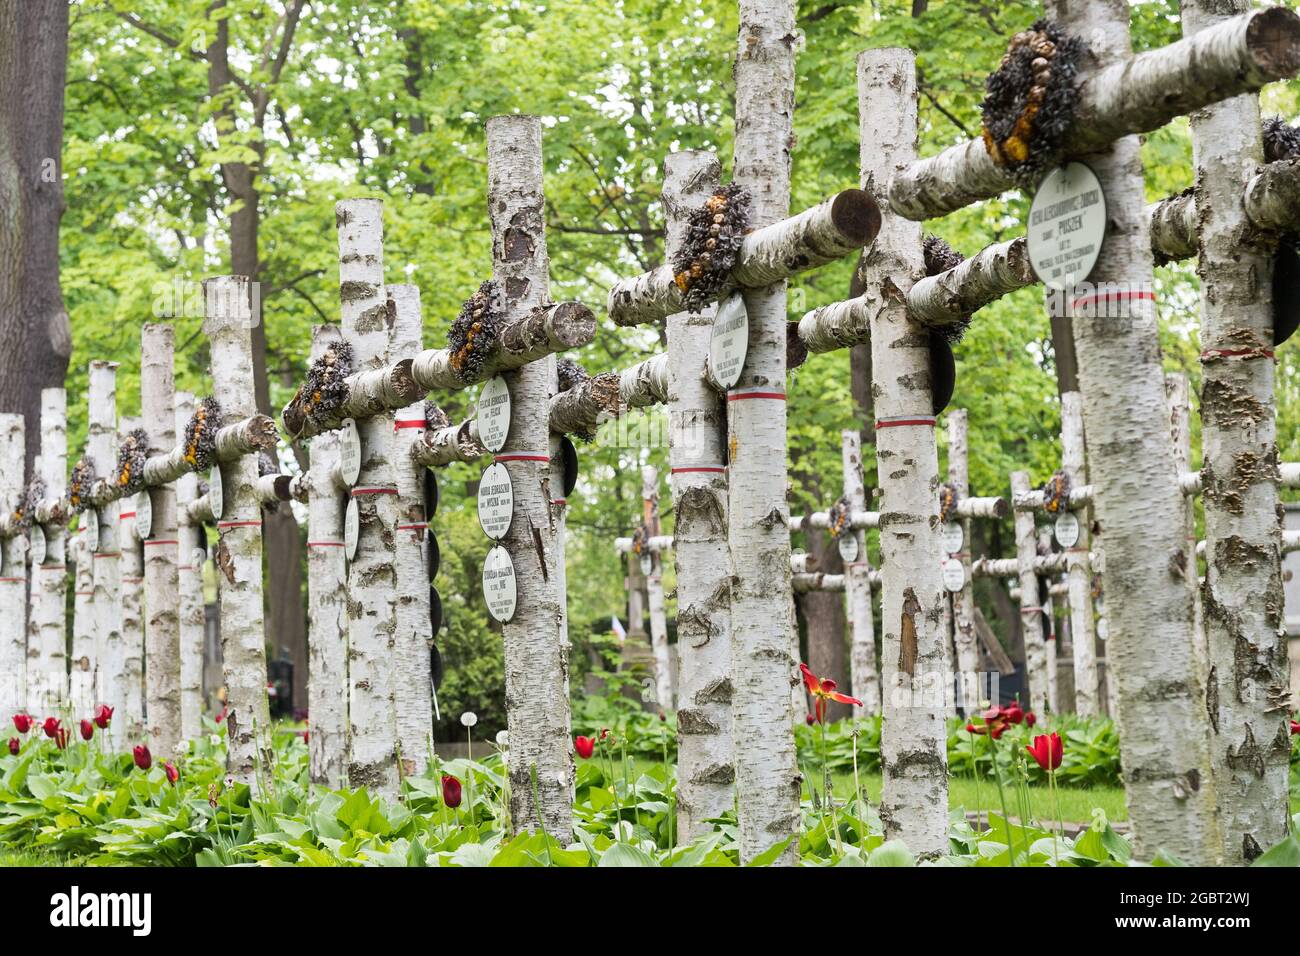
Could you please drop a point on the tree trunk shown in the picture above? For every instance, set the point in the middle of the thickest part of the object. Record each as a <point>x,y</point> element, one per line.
<point>162,624</point>
<point>13,573</point>
<point>536,658</point>
<point>965,644</point>
<point>101,445</point>
<point>823,614</point>
<point>914,805</point>
<point>411,675</point>
<point>1178,390</point>
<point>81,676</point>
<point>189,583</point>
<point>132,618</point>
<point>1138,504</point>
<point>1079,571</point>
<point>33,322</point>
<point>1247,685</point>
<point>767,773</point>
<point>327,682</point>
<point>655,593</point>
<point>1031,603</point>
<point>47,627</point>
<point>864,674</point>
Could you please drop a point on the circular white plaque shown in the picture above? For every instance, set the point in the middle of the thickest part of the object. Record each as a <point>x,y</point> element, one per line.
<point>1103,629</point>
<point>90,521</point>
<point>36,544</point>
<point>952,537</point>
<point>351,528</point>
<point>1067,529</point>
<point>728,342</point>
<point>848,545</point>
<point>197,559</point>
<point>496,501</point>
<point>349,452</point>
<point>647,564</point>
<point>143,515</point>
<point>499,584</point>
<point>1067,223</point>
<point>494,413</point>
<point>954,575</point>
<point>216,493</point>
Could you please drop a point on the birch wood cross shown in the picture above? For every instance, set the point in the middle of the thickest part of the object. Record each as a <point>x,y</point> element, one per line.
<point>47,680</point>
<point>13,568</point>
<point>110,650</point>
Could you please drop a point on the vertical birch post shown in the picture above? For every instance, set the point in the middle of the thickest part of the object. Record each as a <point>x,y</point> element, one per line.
<point>413,693</point>
<point>1247,684</point>
<point>228,323</point>
<point>327,621</point>
<point>132,579</point>
<point>655,591</point>
<point>13,571</point>
<point>162,623</point>
<point>372,581</point>
<point>1031,607</point>
<point>101,443</point>
<point>189,584</point>
<point>864,676</point>
<point>963,602</point>
<point>767,774</point>
<point>1138,503</point>
<point>1078,570</point>
<point>81,674</point>
<point>536,658</point>
<point>47,627</point>
<point>705,772</point>
<point>1178,390</point>
<point>913,748</point>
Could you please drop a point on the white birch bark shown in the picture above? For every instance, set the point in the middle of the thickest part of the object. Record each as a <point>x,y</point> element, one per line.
<point>646,383</point>
<point>864,677</point>
<point>1272,204</point>
<point>1178,390</point>
<point>101,443</point>
<point>413,693</point>
<point>47,624</point>
<point>369,392</point>
<point>913,748</point>
<point>965,643</point>
<point>372,579</point>
<point>995,271</point>
<point>1031,606</point>
<point>132,578</point>
<point>705,772</point>
<point>536,658</point>
<point>227,323</point>
<point>189,585</point>
<point>1138,502</point>
<point>655,594</point>
<point>13,571</point>
<point>586,406</point>
<point>161,621</point>
<point>1248,697</point>
<point>327,624</point>
<point>763,670</point>
<point>1128,95</point>
<point>1078,570</point>
<point>453,443</point>
<point>81,674</point>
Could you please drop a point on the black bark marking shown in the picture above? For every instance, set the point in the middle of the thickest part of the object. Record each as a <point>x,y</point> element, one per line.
<point>721,773</point>
<point>717,691</point>
<point>907,651</point>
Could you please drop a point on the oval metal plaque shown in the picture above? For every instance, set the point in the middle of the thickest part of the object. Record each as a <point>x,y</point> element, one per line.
<point>499,587</point>
<point>496,501</point>
<point>494,413</point>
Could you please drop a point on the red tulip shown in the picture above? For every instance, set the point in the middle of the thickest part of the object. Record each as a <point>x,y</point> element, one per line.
<point>51,727</point>
<point>604,733</point>
<point>823,690</point>
<point>1295,727</point>
<point>809,719</point>
<point>87,729</point>
<point>306,736</point>
<point>23,723</point>
<point>1030,719</point>
<point>61,738</point>
<point>1013,713</point>
<point>143,759</point>
<point>1047,751</point>
<point>585,746</point>
<point>103,716</point>
<point>450,791</point>
<point>15,745</point>
<point>222,716</point>
<point>173,774</point>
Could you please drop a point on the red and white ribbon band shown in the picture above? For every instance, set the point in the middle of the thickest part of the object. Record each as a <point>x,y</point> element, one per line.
<point>743,393</point>
<point>184,567</point>
<point>1210,355</point>
<point>239,524</point>
<point>12,580</point>
<point>373,491</point>
<point>1116,295</point>
<point>150,541</point>
<point>325,544</point>
<point>699,469</point>
<point>132,580</point>
<point>107,554</point>
<point>521,456</point>
<point>411,527</point>
<point>126,514</point>
<point>899,421</point>
<point>409,423</point>
<point>559,501</point>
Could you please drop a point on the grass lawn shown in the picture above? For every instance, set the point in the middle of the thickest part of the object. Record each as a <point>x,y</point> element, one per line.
<point>28,858</point>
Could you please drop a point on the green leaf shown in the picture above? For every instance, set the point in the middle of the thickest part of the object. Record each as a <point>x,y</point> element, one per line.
<point>772,853</point>
<point>1286,853</point>
<point>624,854</point>
<point>891,853</point>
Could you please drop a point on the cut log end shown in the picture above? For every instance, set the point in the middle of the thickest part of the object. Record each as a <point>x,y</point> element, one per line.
<point>1273,37</point>
<point>402,379</point>
<point>574,324</point>
<point>856,215</point>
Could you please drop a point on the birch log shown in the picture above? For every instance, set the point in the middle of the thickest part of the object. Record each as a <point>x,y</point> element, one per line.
<point>372,581</point>
<point>1272,204</point>
<point>1178,391</point>
<point>227,323</point>
<point>13,571</point>
<point>536,659</point>
<point>1129,95</point>
<point>1247,688</point>
<point>1031,608</point>
<point>705,772</point>
<point>1078,570</point>
<point>1167,777</point>
<point>913,748</point>
<point>81,673</point>
<point>132,617</point>
<point>452,443</point>
<point>161,622</point>
<point>864,675</point>
<point>412,690</point>
<point>947,298</point>
<point>828,231</point>
<point>101,443</point>
<point>189,584</point>
<point>47,656</point>
<point>646,383</point>
<point>965,643</point>
<point>655,592</point>
<point>327,624</point>
<point>767,774</point>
